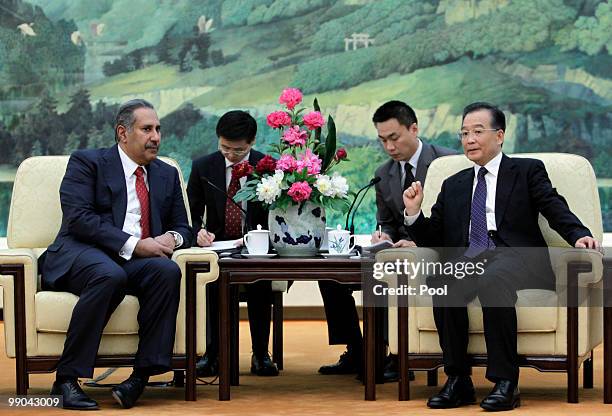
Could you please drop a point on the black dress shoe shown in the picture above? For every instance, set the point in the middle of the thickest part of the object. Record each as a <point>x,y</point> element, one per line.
<point>73,396</point>
<point>263,366</point>
<point>128,392</point>
<point>504,396</point>
<point>391,370</point>
<point>457,391</point>
<point>347,364</point>
<point>207,366</point>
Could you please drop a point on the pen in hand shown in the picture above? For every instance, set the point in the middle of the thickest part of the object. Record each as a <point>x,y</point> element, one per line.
<point>379,231</point>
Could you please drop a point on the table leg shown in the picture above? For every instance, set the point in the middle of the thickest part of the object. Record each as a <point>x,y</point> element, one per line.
<point>381,346</point>
<point>369,329</point>
<point>402,323</point>
<point>234,336</point>
<point>224,335</point>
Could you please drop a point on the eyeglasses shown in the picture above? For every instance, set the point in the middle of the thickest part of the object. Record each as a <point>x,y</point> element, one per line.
<point>464,134</point>
<point>235,152</point>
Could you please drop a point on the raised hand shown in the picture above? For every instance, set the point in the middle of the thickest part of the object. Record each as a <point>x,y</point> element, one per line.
<point>413,198</point>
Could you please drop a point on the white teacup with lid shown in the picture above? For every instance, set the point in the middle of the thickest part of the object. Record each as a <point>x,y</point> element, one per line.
<point>257,241</point>
<point>338,241</point>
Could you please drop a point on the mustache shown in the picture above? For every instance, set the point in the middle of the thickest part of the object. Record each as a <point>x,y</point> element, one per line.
<point>151,146</point>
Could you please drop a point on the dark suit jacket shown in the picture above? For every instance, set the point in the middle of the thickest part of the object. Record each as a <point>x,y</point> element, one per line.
<point>204,198</point>
<point>523,191</point>
<point>389,204</point>
<point>93,196</point>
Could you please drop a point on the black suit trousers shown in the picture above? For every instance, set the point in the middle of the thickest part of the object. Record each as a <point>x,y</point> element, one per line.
<point>101,284</point>
<point>496,291</point>
<point>341,314</point>
<point>259,305</point>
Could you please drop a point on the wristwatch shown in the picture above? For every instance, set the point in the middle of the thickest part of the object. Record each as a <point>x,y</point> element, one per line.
<point>178,239</point>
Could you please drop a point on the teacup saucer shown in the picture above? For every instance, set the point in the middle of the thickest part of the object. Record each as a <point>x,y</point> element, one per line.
<point>259,256</point>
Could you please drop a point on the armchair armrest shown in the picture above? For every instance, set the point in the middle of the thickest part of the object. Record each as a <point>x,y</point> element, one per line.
<point>411,254</point>
<point>18,279</point>
<point>562,258</point>
<point>193,294</point>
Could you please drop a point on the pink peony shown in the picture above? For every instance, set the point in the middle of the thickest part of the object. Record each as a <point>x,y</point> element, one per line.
<point>278,119</point>
<point>290,97</point>
<point>300,191</point>
<point>286,163</point>
<point>295,137</point>
<point>310,161</point>
<point>313,120</point>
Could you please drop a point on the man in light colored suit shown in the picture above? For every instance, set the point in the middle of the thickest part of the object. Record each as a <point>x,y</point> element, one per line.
<point>410,157</point>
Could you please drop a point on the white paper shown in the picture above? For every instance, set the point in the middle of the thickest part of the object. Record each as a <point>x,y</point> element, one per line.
<point>224,245</point>
<point>381,245</point>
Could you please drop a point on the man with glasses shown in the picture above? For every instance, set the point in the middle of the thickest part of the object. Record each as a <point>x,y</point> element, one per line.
<point>494,204</point>
<point>397,127</point>
<point>236,132</point>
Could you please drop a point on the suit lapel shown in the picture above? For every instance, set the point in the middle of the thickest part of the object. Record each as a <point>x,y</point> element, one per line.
<point>395,185</point>
<point>157,191</point>
<point>425,160</point>
<point>217,177</point>
<point>463,199</point>
<point>115,179</point>
<point>506,178</point>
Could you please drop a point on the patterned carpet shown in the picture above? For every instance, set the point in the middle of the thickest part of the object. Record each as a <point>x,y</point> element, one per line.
<point>299,390</point>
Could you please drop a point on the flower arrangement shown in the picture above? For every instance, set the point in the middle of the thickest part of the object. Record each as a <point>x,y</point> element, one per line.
<point>301,169</point>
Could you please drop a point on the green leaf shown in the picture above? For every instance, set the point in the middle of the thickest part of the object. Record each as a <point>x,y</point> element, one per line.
<point>330,143</point>
<point>316,107</point>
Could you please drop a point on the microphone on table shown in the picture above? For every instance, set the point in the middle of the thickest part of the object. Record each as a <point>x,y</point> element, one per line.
<point>372,182</point>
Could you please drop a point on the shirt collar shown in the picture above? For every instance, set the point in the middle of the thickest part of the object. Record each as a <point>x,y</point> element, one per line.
<point>492,166</point>
<point>129,166</point>
<point>414,160</point>
<point>228,163</point>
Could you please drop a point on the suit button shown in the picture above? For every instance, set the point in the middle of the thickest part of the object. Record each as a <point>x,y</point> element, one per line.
<point>491,233</point>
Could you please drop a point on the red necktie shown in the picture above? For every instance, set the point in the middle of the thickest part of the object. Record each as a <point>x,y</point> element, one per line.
<point>143,198</point>
<point>233,218</point>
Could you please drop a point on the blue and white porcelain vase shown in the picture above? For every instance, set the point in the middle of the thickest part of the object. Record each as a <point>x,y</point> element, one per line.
<point>298,230</point>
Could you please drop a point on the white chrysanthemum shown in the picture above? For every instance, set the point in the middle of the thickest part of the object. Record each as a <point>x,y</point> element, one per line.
<point>268,190</point>
<point>278,176</point>
<point>339,185</point>
<point>324,185</point>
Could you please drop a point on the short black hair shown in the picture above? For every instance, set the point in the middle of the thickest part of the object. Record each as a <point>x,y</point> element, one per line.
<point>498,119</point>
<point>237,125</point>
<point>125,114</point>
<point>399,110</point>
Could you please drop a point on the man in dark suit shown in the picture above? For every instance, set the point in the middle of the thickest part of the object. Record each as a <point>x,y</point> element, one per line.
<point>397,127</point>
<point>236,131</point>
<point>489,213</point>
<point>123,216</point>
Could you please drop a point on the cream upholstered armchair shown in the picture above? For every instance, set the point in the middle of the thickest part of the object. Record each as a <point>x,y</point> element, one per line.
<point>36,321</point>
<point>552,336</point>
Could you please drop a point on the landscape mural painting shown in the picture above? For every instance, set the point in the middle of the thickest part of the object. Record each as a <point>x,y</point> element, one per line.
<point>66,64</point>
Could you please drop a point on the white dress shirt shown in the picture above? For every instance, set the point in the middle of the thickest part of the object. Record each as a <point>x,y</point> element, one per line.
<point>491,181</point>
<point>131,223</point>
<point>414,161</point>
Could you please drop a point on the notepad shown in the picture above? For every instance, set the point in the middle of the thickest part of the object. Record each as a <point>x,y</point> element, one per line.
<point>381,245</point>
<point>224,245</point>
